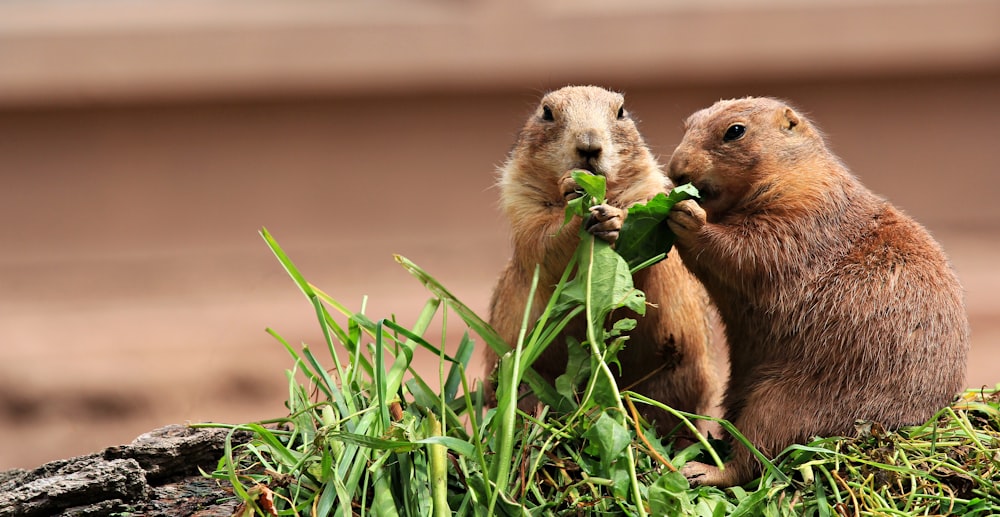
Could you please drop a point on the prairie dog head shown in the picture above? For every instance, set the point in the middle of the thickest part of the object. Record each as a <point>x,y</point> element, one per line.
<point>739,151</point>
<point>575,127</point>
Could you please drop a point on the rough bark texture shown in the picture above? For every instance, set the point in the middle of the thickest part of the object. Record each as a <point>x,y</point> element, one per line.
<point>155,475</point>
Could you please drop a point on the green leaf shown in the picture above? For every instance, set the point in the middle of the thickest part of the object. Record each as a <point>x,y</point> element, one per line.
<point>384,503</point>
<point>621,326</point>
<point>594,185</point>
<point>594,189</point>
<point>751,505</point>
<point>644,232</point>
<point>462,447</point>
<point>462,356</point>
<point>634,299</point>
<point>374,442</point>
<point>606,440</point>
<point>575,208</point>
<point>577,369</point>
<point>620,480</point>
<point>669,495</point>
<point>612,285</point>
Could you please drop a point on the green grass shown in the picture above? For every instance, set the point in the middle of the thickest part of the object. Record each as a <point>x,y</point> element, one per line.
<point>364,434</point>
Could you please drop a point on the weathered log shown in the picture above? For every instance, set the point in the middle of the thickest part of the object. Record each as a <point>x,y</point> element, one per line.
<point>156,475</point>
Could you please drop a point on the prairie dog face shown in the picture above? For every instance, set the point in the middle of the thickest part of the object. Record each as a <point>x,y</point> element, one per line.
<point>578,127</point>
<point>735,150</point>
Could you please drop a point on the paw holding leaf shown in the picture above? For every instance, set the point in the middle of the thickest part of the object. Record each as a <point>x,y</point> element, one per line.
<point>686,220</point>
<point>568,186</point>
<point>605,222</point>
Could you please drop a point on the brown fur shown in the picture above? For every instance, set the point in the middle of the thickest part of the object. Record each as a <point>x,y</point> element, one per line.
<point>837,306</point>
<point>585,131</point>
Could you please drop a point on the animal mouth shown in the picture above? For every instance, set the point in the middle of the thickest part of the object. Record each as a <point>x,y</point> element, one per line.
<point>590,166</point>
<point>706,192</point>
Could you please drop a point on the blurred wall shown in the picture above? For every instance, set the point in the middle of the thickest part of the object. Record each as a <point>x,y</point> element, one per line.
<point>142,147</point>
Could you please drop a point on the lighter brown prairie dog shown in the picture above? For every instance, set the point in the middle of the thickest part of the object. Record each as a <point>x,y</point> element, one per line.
<point>837,306</point>
<point>588,128</point>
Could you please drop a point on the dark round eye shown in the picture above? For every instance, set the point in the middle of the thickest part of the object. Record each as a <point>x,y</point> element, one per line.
<point>547,114</point>
<point>621,112</point>
<point>735,132</point>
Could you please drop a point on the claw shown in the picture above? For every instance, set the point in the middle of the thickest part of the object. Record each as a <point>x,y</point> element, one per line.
<point>605,222</point>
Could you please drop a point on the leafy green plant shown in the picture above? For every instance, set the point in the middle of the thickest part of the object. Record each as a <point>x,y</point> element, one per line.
<point>365,435</point>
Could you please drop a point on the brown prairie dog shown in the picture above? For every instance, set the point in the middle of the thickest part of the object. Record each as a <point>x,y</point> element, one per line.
<point>837,306</point>
<point>588,128</point>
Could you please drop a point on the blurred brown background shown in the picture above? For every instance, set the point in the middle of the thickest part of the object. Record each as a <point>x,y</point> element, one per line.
<point>142,145</point>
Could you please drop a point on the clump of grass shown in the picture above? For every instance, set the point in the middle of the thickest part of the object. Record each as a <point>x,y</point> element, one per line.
<point>947,466</point>
<point>366,435</point>
<point>376,438</point>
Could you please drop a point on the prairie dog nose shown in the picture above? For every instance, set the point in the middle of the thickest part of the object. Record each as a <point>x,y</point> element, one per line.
<point>588,144</point>
<point>675,170</point>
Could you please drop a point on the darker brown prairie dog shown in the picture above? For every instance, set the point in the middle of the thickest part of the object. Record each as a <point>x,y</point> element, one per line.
<point>837,306</point>
<point>587,127</point>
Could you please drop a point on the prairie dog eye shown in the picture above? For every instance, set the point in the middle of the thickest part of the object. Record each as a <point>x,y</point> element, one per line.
<point>547,113</point>
<point>621,112</point>
<point>735,132</point>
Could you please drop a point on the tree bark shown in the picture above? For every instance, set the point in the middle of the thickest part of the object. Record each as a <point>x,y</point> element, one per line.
<point>156,475</point>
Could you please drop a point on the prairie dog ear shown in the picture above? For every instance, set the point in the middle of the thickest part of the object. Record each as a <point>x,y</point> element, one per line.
<point>790,119</point>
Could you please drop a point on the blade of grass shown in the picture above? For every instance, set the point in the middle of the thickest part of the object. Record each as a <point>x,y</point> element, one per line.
<point>399,367</point>
<point>417,339</point>
<point>380,383</point>
<point>274,443</point>
<point>425,397</point>
<point>303,286</point>
<point>383,503</point>
<point>238,487</point>
<point>438,462</point>
<point>503,420</point>
<point>345,402</point>
<point>539,386</point>
<point>540,339</point>
<point>462,356</point>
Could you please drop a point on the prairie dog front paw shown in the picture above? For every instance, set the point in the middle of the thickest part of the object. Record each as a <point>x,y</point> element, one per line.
<point>605,222</point>
<point>686,219</point>
<point>568,187</point>
<point>699,474</point>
